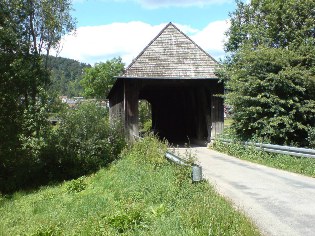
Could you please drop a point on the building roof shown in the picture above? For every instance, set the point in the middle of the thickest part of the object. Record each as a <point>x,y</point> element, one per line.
<point>172,54</point>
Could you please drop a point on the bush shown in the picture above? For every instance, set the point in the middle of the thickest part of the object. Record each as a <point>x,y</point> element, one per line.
<point>272,98</point>
<point>147,126</point>
<point>76,185</point>
<point>150,149</point>
<point>269,71</point>
<point>24,139</point>
<point>83,143</point>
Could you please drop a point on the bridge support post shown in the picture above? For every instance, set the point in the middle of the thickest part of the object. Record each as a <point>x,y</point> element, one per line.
<point>217,113</point>
<point>131,100</point>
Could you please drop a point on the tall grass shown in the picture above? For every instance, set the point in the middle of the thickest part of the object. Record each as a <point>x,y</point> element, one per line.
<point>300,165</point>
<point>139,194</point>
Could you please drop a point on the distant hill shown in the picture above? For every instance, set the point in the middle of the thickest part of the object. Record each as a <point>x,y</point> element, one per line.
<point>65,76</point>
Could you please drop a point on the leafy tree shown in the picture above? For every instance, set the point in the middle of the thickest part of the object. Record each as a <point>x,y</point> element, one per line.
<point>28,29</point>
<point>98,80</point>
<point>270,73</point>
<point>277,24</point>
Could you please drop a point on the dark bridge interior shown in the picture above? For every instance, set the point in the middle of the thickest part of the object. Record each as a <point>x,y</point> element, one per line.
<point>180,108</point>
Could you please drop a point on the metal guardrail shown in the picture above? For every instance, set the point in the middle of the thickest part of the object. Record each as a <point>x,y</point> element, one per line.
<point>196,174</point>
<point>170,156</point>
<point>287,150</point>
<point>196,171</point>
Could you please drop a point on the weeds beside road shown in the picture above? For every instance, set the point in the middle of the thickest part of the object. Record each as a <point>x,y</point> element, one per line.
<point>299,165</point>
<point>140,194</point>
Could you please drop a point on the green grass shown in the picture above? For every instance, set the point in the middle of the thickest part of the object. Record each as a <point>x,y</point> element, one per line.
<point>140,194</point>
<point>300,165</point>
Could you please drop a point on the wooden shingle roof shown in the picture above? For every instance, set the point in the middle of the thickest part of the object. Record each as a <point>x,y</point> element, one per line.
<point>172,54</point>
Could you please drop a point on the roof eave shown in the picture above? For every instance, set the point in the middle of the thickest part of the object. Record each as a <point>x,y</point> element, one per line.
<point>168,78</point>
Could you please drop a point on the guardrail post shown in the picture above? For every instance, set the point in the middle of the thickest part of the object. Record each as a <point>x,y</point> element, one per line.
<point>196,173</point>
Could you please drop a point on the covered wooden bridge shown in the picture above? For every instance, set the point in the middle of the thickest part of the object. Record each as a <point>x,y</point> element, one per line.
<point>177,78</point>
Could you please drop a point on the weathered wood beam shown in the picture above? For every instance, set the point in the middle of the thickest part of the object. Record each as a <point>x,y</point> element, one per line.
<point>116,107</point>
<point>217,111</point>
<point>131,100</point>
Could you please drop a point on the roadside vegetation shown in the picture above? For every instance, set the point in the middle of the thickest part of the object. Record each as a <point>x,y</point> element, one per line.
<point>299,165</point>
<point>139,194</point>
<point>29,30</point>
<point>228,122</point>
<point>81,143</point>
<point>270,81</point>
<point>269,71</point>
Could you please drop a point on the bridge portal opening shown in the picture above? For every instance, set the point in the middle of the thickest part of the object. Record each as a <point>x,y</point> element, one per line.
<point>181,110</point>
<point>145,116</point>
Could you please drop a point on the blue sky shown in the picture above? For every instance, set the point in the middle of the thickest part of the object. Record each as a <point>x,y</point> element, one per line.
<point>111,28</point>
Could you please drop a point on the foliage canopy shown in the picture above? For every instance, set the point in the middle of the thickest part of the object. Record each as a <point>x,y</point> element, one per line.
<point>270,72</point>
<point>98,80</point>
<point>28,29</point>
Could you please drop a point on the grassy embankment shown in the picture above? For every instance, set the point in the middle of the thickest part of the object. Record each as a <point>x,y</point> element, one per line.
<point>300,165</point>
<point>140,194</point>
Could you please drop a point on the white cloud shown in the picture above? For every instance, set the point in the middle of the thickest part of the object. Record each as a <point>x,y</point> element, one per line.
<point>99,43</point>
<point>212,38</point>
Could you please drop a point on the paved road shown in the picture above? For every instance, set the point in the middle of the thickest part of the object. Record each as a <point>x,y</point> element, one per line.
<point>279,202</point>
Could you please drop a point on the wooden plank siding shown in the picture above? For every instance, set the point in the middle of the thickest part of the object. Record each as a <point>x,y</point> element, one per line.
<point>116,104</point>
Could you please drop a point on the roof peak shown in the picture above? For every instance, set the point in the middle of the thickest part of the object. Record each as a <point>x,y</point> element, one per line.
<point>173,52</point>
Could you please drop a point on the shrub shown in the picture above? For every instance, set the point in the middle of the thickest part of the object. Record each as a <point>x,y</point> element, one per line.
<point>21,146</point>
<point>269,72</point>
<point>76,185</point>
<point>272,98</point>
<point>150,149</point>
<point>147,126</point>
<point>127,220</point>
<point>83,142</point>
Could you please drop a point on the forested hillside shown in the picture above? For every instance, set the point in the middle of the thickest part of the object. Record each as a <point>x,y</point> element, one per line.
<point>65,76</point>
